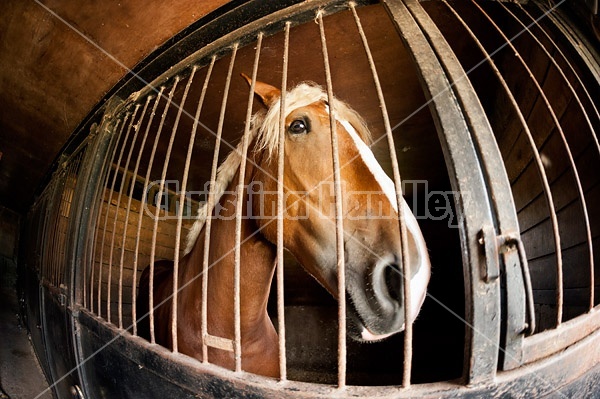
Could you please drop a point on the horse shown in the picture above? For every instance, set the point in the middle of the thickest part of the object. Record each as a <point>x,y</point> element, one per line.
<point>372,242</point>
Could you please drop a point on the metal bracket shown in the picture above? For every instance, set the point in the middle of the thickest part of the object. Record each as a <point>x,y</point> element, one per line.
<point>62,296</point>
<point>494,245</point>
<point>490,241</point>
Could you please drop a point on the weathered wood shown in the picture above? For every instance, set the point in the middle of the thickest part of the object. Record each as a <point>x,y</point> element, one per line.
<point>47,59</point>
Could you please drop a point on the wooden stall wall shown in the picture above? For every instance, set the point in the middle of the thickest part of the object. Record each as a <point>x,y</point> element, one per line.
<point>115,261</point>
<point>562,105</point>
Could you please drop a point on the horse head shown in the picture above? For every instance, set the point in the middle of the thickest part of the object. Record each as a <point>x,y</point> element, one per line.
<point>372,243</point>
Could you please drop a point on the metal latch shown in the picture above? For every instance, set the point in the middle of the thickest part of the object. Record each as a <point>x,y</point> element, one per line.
<point>494,245</point>
<point>489,240</point>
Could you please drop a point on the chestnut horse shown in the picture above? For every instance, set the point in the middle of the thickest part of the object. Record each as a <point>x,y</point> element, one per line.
<point>372,242</point>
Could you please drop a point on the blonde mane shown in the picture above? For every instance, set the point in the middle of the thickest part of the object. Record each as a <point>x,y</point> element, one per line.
<point>264,131</point>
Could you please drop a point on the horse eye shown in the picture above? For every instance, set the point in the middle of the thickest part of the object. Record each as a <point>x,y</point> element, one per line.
<point>299,126</point>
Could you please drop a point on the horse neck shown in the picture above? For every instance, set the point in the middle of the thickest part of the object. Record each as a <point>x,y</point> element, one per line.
<point>257,257</point>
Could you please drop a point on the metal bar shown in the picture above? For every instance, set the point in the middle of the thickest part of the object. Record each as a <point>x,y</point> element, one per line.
<point>72,214</point>
<point>164,173</point>
<point>75,268</point>
<point>182,197</point>
<point>142,205</point>
<point>473,205</point>
<point>182,202</point>
<point>100,191</point>
<point>566,60</point>
<point>47,250</point>
<point>118,205</point>
<point>127,212</point>
<point>128,208</point>
<point>559,266</point>
<point>280,208</point>
<point>589,123</point>
<point>45,227</point>
<point>341,267</point>
<point>89,203</point>
<point>210,206</point>
<point>239,214</point>
<point>49,263</point>
<point>108,205</point>
<point>54,223</point>
<point>174,339</point>
<point>157,214</point>
<point>404,260</point>
<point>57,227</point>
<point>505,221</point>
<point>539,164</point>
<point>583,48</point>
<point>549,342</point>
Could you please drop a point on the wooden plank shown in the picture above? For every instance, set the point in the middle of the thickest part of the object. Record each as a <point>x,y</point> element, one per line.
<point>564,193</point>
<point>539,242</point>
<point>576,265</point>
<point>527,188</point>
<point>577,130</point>
<point>573,297</point>
<point>546,343</point>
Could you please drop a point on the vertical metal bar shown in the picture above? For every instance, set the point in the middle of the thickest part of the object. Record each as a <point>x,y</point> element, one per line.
<point>90,231</point>
<point>100,191</point>
<point>44,226</point>
<point>118,205</point>
<point>538,161</point>
<point>179,221</point>
<point>55,219</point>
<point>280,209</point>
<point>84,284</point>
<point>45,251</point>
<point>126,220</point>
<point>210,206</point>
<point>589,123</point>
<point>164,174</point>
<point>559,271</point>
<point>182,196</point>
<point>566,60</point>
<point>108,205</point>
<point>56,227</point>
<point>49,263</point>
<point>156,215</point>
<point>141,209</point>
<point>44,267</point>
<point>239,212</point>
<point>404,260</point>
<point>341,266</point>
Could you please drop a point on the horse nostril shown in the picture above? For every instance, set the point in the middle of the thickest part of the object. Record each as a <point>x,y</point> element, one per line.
<point>393,281</point>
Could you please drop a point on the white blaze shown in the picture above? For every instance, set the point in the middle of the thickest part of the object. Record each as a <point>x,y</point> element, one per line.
<point>418,285</point>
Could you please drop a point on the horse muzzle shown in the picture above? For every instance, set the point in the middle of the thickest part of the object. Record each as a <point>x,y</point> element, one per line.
<point>377,297</point>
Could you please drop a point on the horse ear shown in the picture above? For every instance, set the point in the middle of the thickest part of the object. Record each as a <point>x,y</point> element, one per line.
<point>267,93</point>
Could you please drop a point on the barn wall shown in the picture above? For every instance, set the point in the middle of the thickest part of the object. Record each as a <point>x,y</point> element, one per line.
<point>51,76</point>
